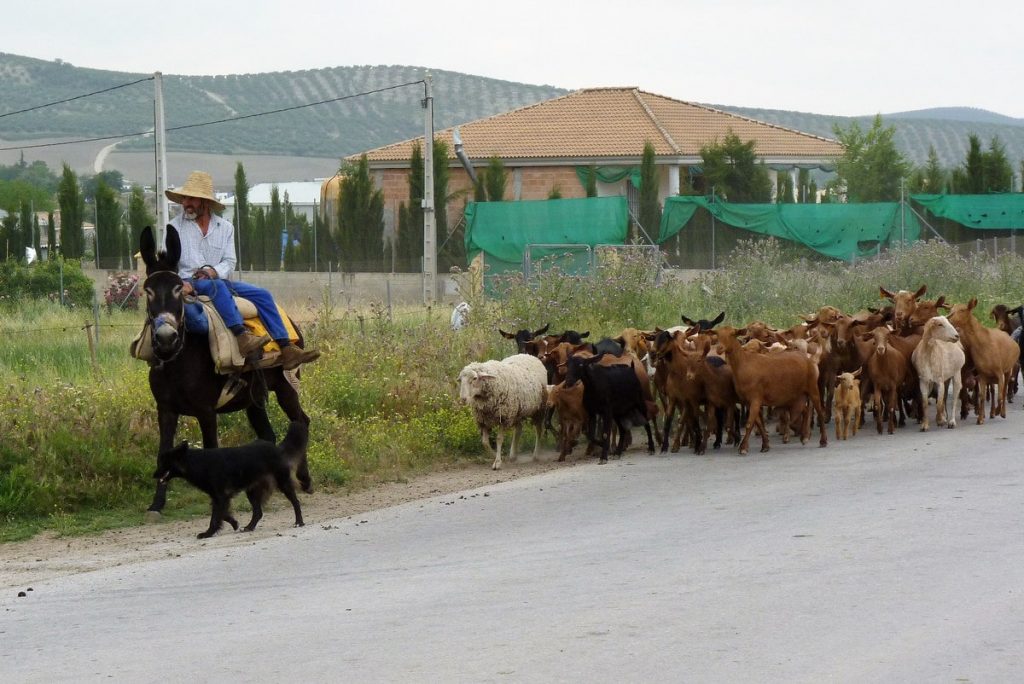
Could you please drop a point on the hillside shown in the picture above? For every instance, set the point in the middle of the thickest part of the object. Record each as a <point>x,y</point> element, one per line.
<point>355,122</point>
<point>333,129</point>
<point>946,129</point>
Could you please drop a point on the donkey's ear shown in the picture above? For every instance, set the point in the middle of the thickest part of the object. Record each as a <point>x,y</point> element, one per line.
<point>147,247</point>
<point>172,247</point>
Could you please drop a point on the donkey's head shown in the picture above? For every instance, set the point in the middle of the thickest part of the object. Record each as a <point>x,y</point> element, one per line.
<point>165,303</point>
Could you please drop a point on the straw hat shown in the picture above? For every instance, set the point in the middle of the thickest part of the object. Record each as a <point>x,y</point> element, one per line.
<point>198,184</point>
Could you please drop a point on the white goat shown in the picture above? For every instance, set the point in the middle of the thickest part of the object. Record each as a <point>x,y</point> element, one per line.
<point>938,359</point>
<point>503,394</point>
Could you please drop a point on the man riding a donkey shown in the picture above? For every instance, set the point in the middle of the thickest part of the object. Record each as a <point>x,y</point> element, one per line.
<point>206,263</point>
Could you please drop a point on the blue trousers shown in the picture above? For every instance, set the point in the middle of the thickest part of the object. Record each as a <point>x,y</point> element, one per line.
<point>220,293</point>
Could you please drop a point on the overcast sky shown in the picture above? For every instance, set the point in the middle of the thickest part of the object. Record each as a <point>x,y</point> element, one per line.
<point>841,58</point>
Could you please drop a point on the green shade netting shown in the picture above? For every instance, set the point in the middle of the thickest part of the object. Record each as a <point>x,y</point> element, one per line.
<point>982,212</point>
<point>610,174</point>
<point>840,231</point>
<point>502,230</point>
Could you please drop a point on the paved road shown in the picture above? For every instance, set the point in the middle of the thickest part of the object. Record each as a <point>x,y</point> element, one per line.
<point>882,559</point>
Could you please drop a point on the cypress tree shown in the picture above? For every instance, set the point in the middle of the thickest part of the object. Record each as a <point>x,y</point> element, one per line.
<point>360,219</point>
<point>51,236</point>
<point>495,180</point>
<point>72,211</point>
<point>410,222</point>
<point>997,171</point>
<point>276,228</point>
<point>650,209</point>
<point>933,179</point>
<point>974,167</point>
<point>590,186</point>
<point>243,233</point>
<point>108,226</point>
<point>139,216</point>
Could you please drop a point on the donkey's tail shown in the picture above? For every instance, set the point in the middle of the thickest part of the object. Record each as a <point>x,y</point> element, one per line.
<point>295,441</point>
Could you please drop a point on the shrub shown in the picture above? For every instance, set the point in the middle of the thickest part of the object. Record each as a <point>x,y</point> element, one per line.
<point>43,279</point>
<point>122,291</point>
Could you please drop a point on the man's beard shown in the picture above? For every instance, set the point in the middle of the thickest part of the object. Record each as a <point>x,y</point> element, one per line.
<point>191,214</point>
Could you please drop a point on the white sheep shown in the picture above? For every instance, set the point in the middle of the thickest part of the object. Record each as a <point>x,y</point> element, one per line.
<point>503,394</point>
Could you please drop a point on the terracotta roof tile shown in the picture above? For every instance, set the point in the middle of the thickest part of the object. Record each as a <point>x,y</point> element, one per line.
<point>614,123</point>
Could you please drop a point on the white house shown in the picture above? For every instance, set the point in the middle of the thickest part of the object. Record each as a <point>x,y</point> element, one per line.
<point>304,196</point>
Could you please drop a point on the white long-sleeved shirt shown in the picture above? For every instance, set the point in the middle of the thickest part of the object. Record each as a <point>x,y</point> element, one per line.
<point>216,248</point>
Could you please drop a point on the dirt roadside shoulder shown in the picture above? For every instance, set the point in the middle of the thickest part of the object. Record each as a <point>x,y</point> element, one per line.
<point>47,556</point>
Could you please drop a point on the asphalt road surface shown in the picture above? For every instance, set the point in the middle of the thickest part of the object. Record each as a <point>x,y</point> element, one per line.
<point>881,559</point>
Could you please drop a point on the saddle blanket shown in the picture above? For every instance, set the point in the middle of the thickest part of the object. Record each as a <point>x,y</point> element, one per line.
<point>201,318</point>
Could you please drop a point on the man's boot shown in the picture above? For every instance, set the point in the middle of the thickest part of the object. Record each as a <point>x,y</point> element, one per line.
<point>292,357</point>
<point>250,345</point>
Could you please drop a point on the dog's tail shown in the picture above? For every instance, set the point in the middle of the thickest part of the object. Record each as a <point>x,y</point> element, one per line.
<point>295,441</point>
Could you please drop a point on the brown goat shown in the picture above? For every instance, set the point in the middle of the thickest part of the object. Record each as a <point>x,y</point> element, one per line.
<point>903,303</point>
<point>887,367</point>
<point>572,417</point>
<point>847,404</point>
<point>990,351</point>
<point>786,380</point>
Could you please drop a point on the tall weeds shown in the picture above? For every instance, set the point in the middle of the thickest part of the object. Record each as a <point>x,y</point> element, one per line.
<point>78,440</point>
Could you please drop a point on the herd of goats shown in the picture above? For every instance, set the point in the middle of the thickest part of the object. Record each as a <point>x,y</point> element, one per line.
<point>831,366</point>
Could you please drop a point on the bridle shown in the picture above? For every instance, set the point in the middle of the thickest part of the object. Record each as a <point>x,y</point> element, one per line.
<point>165,318</point>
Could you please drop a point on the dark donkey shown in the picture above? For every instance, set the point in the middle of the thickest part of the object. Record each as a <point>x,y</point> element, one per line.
<point>183,377</point>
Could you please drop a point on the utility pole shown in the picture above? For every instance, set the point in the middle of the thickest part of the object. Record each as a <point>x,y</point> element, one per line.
<point>160,150</point>
<point>429,219</point>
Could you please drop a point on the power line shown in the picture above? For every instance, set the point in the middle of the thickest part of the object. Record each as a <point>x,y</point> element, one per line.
<point>76,97</point>
<point>210,123</point>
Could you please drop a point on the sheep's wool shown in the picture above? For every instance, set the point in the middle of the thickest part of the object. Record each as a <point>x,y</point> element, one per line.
<point>515,393</point>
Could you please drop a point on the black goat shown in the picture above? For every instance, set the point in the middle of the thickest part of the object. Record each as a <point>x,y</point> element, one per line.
<point>613,394</point>
<point>524,337</point>
<point>702,325</point>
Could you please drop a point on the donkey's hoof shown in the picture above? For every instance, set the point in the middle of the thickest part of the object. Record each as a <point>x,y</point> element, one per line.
<point>153,517</point>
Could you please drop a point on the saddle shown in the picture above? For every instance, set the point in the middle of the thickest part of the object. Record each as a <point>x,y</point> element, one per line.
<point>200,314</point>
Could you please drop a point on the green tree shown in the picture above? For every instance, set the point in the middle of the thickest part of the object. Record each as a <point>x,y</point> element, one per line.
<point>276,230</point>
<point>109,239</point>
<point>871,168</point>
<point>970,178</point>
<point>258,251</point>
<point>14,192</point>
<point>37,174</point>
<point>37,239</point>
<point>409,251</point>
<point>935,177</point>
<point>441,177</point>
<point>732,170</point>
<point>590,185</point>
<point>451,243</point>
<point>803,182</point>
<point>51,237</point>
<point>23,234</point>
<point>72,213</point>
<point>997,171</point>
<point>139,216</point>
<point>112,179</point>
<point>360,218</point>
<point>650,209</point>
<point>496,179</point>
<point>240,218</point>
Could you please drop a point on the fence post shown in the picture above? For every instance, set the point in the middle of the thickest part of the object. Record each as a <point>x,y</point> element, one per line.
<point>92,346</point>
<point>96,315</point>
